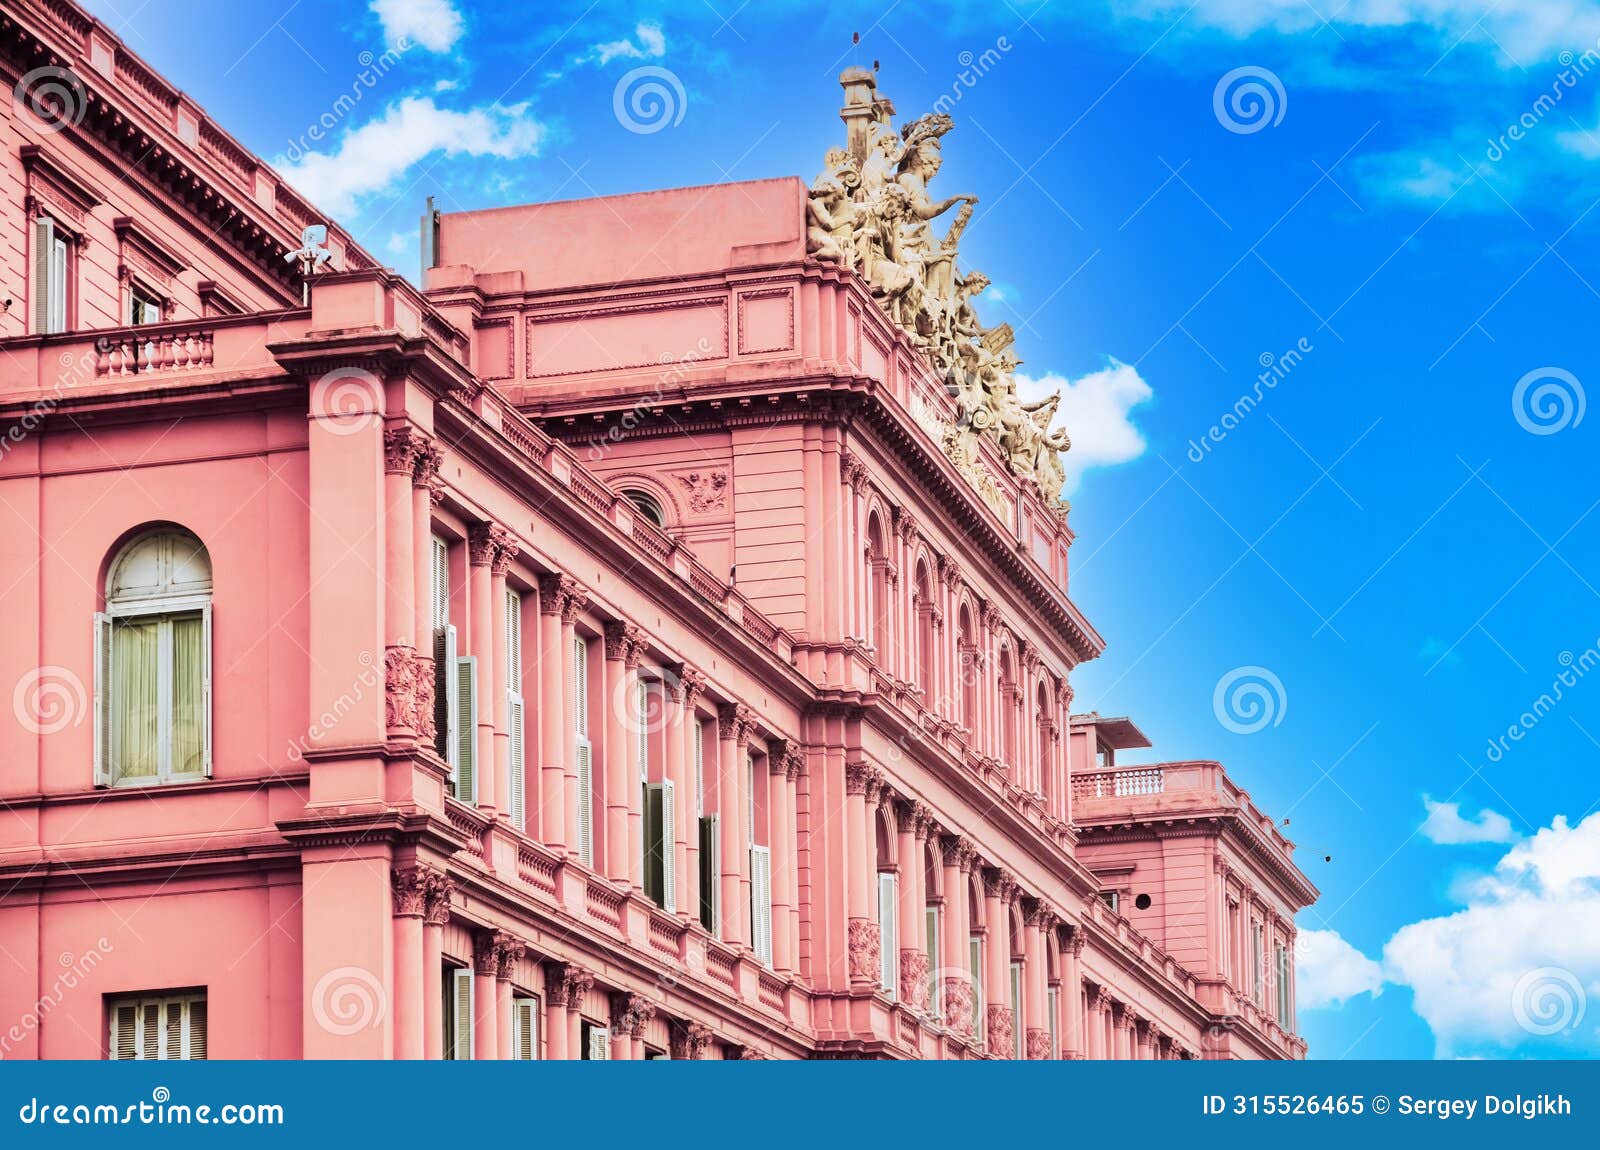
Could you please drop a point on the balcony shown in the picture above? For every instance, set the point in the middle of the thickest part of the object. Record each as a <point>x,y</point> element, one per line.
<point>1164,791</point>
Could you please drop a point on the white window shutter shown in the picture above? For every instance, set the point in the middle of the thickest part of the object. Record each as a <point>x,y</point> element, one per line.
<point>699,769</point>
<point>514,748</point>
<point>195,1036</point>
<point>888,940</point>
<point>205,688</point>
<point>444,694</point>
<point>44,246</point>
<point>669,854</point>
<point>761,902</point>
<point>524,1029</point>
<point>599,1044</point>
<point>125,1032</point>
<point>642,708</point>
<point>585,801</point>
<point>58,285</point>
<point>931,918</point>
<point>104,771</point>
<point>441,582</point>
<point>1052,1010</point>
<point>467,728</point>
<point>580,686</point>
<point>462,976</point>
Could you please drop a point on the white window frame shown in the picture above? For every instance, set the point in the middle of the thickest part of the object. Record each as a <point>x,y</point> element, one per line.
<point>583,750</point>
<point>141,1004</point>
<point>162,606</point>
<point>516,711</point>
<point>524,1028</point>
<point>888,934</point>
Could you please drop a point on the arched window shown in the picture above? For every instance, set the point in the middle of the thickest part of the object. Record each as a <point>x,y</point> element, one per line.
<point>967,652</point>
<point>1008,707</point>
<point>923,604</point>
<point>932,875</point>
<point>878,590</point>
<point>888,908</point>
<point>647,505</point>
<point>153,663</point>
<point>1045,725</point>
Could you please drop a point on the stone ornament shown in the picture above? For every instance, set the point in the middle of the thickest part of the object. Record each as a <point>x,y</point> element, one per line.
<point>870,211</point>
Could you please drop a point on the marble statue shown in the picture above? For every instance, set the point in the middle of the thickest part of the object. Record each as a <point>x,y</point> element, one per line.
<point>871,210</point>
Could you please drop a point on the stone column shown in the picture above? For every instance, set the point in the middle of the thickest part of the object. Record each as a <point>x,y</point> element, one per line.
<point>507,951</point>
<point>860,780</point>
<point>555,1011</point>
<point>1072,1035</point>
<point>733,807</point>
<point>1040,921</point>
<point>424,482</point>
<point>621,756</point>
<point>505,552</point>
<point>997,964</point>
<point>579,983</point>
<point>560,601</point>
<point>689,874</point>
<point>913,957</point>
<point>958,991</point>
<point>410,903</point>
<point>435,914</point>
<point>794,763</point>
<point>485,998</point>
<point>482,547</point>
<point>780,816</point>
<point>630,1014</point>
<point>675,738</point>
<point>400,447</point>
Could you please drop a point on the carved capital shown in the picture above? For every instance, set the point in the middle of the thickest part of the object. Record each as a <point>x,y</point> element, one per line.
<point>486,953</point>
<point>507,950</point>
<point>562,595</point>
<point>861,778</point>
<point>436,908</point>
<point>622,639</point>
<point>689,1040</point>
<point>401,447</point>
<point>483,543</point>
<point>410,890</point>
<point>694,685</point>
<point>735,721</point>
<point>631,1013</point>
<point>426,462</point>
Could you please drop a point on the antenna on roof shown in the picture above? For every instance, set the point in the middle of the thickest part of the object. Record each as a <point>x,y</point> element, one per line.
<point>311,255</point>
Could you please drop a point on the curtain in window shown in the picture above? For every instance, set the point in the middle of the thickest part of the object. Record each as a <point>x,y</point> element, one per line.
<point>188,731</point>
<point>135,701</point>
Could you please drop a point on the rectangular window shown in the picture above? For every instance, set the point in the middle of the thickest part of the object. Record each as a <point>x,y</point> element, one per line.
<point>158,1027</point>
<point>1016,1010</point>
<point>52,264</point>
<point>699,769</point>
<point>1112,899</point>
<point>446,662</point>
<point>660,871</point>
<point>975,965</point>
<point>761,902</point>
<point>888,941</point>
<point>1284,1010</point>
<point>143,306</point>
<point>584,751</point>
<point>516,723</point>
<point>1257,958</point>
<point>458,1008</point>
<point>931,918</point>
<point>153,697</point>
<point>1052,1010</point>
<point>710,865</point>
<point>596,1042</point>
<point>524,1028</point>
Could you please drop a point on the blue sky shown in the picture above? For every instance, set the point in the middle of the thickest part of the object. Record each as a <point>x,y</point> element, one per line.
<point>1394,536</point>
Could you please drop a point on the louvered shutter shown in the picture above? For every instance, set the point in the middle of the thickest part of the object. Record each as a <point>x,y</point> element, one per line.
<point>761,902</point>
<point>444,694</point>
<point>467,728</point>
<point>196,1008</point>
<point>699,768</point>
<point>441,582</point>
<point>150,1030</point>
<point>710,874</point>
<point>462,977</point>
<point>172,1033</point>
<point>599,1044</point>
<point>669,869</point>
<point>58,285</point>
<point>125,1032</point>
<point>205,687</point>
<point>1052,1009</point>
<point>515,742</point>
<point>104,769</point>
<point>888,941</point>
<point>585,799</point>
<point>44,246</point>
<point>524,1029</point>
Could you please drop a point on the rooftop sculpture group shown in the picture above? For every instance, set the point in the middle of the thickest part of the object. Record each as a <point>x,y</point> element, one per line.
<point>870,210</point>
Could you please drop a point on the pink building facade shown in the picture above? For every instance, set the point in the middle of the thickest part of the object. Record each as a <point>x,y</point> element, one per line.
<point>592,655</point>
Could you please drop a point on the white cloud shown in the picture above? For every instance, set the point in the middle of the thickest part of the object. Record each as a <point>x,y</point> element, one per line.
<point>1516,34</point>
<point>1520,963</point>
<point>1095,411</point>
<point>435,24</point>
<point>1446,826</point>
<point>1329,971</point>
<point>652,45</point>
<point>373,157</point>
